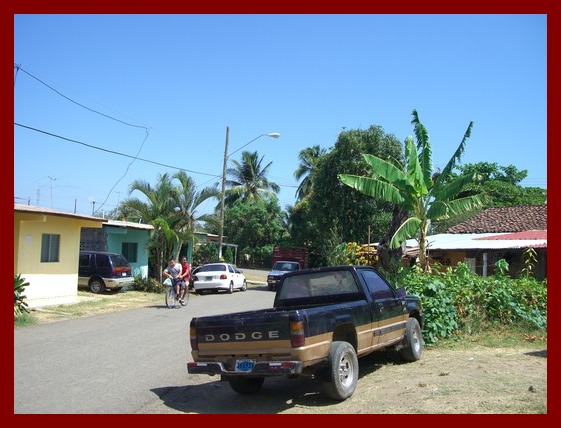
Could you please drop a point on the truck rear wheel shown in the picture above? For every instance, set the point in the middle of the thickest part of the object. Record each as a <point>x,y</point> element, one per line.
<point>246,385</point>
<point>343,371</point>
<point>413,341</point>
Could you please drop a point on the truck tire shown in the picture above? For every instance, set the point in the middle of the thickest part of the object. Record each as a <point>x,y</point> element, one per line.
<point>343,371</point>
<point>246,385</point>
<point>412,342</point>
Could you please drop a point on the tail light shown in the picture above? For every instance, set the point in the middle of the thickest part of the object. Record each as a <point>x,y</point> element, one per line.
<point>193,338</point>
<point>297,337</point>
<point>223,276</point>
<point>119,270</point>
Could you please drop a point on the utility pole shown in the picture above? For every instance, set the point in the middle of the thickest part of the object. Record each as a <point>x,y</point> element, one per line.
<point>222,196</point>
<point>93,207</point>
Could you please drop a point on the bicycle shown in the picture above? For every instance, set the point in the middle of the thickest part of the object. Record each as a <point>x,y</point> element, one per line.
<point>172,299</point>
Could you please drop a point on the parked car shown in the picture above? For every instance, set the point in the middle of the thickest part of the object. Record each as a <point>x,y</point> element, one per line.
<point>98,271</point>
<point>218,276</point>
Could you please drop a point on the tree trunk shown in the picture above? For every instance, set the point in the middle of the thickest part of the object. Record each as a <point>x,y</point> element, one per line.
<point>390,259</point>
<point>423,258</point>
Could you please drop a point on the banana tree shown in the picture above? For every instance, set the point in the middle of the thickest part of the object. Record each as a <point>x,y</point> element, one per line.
<point>415,187</point>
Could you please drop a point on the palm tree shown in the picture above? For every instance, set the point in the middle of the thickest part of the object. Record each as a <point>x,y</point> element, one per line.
<point>171,209</point>
<point>308,158</point>
<point>159,211</point>
<point>414,187</point>
<point>249,180</point>
<point>189,201</point>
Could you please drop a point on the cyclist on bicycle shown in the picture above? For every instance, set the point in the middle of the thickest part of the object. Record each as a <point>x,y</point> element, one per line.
<point>185,274</point>
<point>173,271</point>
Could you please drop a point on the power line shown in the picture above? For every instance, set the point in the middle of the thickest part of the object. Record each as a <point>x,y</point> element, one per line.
<point>114,152</point>
<point>18,68</point>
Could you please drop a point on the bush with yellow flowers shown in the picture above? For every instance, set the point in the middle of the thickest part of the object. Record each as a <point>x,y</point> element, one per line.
<point>363,255</point>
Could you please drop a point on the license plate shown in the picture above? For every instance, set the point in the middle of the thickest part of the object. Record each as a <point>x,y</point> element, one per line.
<point>244,365</point>
<point>124,273</point>
<point>208,278</point>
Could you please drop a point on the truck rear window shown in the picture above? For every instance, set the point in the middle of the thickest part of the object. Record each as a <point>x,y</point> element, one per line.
<point>318,284</point>
<point>290,267</point>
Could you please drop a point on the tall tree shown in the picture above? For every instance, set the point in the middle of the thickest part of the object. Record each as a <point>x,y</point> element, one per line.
<point>501,187</point>
<point>255,225</point>
<point>501,184</point>
<point>333,213</point>
<point>189,201</point>
<point>249,180</point>
<point>157,208</point>
<point>171,207</point>
<point>255,228</point>
<point>415,188</point>
<point>308,158</point>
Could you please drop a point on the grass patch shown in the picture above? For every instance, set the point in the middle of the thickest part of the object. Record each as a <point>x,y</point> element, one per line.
<point>496,336</point>
<point>25,320</point>
<point>90,304</point>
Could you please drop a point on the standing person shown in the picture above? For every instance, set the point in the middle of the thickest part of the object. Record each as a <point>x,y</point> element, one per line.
<point>185,275</point>
<point>173,271</point>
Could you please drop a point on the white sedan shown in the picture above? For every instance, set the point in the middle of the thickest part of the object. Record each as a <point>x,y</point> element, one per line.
<point>218,276</point>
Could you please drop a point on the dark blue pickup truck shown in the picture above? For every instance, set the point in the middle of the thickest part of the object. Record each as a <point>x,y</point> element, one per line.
<point>321,322</point>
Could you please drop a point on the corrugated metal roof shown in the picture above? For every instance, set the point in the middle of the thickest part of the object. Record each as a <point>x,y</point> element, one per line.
<point>477,241</point>
<point>120,223</point>
<point>529,234</point>
<point>42,210</point>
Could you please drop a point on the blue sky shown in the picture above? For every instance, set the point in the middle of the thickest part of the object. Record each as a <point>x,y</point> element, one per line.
<point>167,86</point>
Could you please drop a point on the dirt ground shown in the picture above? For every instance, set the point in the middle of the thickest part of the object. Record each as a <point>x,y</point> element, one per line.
<point>479,380</point>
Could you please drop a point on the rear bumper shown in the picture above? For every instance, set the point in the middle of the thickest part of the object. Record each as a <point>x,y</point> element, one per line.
<point>118,282</point>
<point>273,368</point>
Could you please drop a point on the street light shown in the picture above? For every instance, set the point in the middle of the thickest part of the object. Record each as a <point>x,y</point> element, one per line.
<point>223,193</point>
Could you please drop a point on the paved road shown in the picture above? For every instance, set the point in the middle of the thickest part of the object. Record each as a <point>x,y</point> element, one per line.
<point>132,361</point>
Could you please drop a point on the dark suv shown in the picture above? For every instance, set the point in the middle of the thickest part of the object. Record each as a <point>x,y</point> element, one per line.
<point>100,270</point>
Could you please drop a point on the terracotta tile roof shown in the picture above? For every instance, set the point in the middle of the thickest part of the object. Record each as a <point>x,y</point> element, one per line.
<point>528,234</point>
<point>505,220</point>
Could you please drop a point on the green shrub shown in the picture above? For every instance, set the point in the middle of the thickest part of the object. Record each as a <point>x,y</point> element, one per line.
<point>20,305</point>
<point>457,301</point>
<point>149,285</point>
<point>205,253</point>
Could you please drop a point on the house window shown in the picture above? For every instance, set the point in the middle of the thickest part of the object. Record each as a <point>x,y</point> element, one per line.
<point>130,250</point>
<point>50,248</point>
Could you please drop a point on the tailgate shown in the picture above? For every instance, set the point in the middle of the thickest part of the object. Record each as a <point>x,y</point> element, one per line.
<point>254,333</point>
